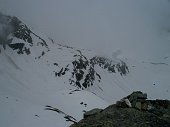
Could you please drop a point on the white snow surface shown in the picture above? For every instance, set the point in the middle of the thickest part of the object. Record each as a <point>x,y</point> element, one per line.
<point>28,85</point>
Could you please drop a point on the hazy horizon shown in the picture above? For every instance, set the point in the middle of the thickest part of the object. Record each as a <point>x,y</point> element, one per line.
<point>135,27</point>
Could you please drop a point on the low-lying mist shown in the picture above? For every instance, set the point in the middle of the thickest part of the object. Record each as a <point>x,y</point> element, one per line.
<point>138,28</point>
<point>5,29</point>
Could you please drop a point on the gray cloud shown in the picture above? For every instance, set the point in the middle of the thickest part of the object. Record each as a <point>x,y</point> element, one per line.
<point>5,29</point>
<point>136,27</point>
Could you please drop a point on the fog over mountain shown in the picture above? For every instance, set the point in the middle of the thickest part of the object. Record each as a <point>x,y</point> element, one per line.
<point>5,29</point>
<point>62,58</point>
<point>136,27</point>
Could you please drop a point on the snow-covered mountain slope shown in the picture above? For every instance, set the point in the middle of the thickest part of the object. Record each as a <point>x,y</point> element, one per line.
<point>44,83</point>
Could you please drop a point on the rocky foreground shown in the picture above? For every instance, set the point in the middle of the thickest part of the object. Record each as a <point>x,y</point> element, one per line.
<point>132,111</point>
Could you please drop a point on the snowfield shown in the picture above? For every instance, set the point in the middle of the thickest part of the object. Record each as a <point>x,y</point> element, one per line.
<point>47,84</point>
<point>28,85</point>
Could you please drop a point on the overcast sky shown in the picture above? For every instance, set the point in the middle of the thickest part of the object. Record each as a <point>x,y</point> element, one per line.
<point>136,27</point>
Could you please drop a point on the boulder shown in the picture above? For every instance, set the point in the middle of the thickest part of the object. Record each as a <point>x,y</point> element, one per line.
<point>124,103</point>
<point>92,112</point>
<point>131,111</point>
<point>138,105</point>
<point>137,95</point>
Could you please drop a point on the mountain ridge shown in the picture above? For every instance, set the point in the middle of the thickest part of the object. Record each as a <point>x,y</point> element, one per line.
<point>36,72</point>
<point>132,111</point>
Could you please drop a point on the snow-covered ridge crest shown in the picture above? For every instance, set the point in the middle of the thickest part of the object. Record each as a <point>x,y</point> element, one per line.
<point>39,73</point>
<point>17,36</point>
<point>82,69</point>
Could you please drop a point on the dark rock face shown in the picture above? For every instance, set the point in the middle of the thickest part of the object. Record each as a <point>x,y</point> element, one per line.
<point>21,31</point>
<point>20,48</point>
<point>22,40</point>
<point>92,112</point>
<point>108,64</point>
<point>13,26</point>
<point>84,74</point>
<point>124,116</point>
<point>83,64</point>
<point>62,71</point>
<point>17,29</point>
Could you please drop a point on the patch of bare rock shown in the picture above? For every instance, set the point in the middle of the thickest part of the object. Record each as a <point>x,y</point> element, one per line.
<point>132,111</point>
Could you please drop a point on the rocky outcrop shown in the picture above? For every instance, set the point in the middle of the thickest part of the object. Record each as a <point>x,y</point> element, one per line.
<point>93,112</point>
<point>136,112</point>
<point>84,72</point>
<point>110,65</point>
<point>13,28</point>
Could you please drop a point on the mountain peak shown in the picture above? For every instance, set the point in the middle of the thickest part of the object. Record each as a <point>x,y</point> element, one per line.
<point>41,75</point>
